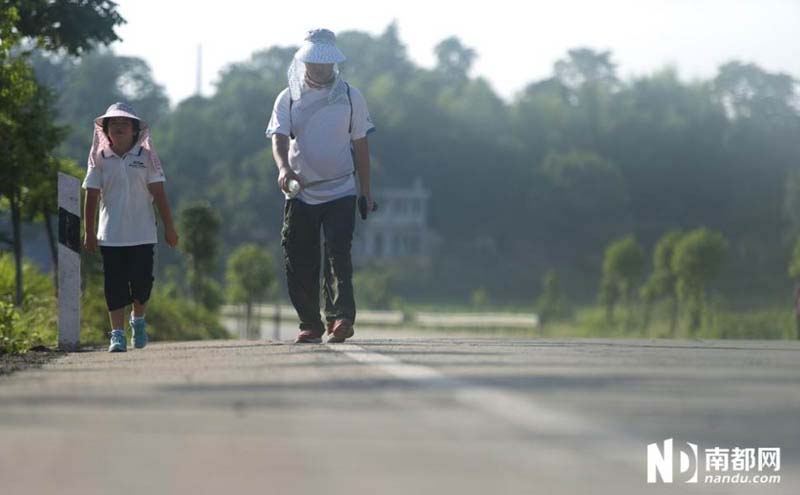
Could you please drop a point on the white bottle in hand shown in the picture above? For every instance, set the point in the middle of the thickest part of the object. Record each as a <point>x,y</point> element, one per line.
<point>294,189</point>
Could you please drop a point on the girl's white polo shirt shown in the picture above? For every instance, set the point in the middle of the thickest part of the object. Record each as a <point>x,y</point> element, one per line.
<point>127,217</point>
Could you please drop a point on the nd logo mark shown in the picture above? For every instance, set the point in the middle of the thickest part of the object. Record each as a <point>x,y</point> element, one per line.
<point>661,461</point>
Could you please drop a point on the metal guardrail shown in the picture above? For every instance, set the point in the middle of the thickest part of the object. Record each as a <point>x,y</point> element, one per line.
<point>477,320</point>
<point>394,318</point>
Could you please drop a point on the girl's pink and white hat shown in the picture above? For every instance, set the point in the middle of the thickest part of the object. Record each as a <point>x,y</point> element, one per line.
<point>120,109</point>
<point>100,140</point>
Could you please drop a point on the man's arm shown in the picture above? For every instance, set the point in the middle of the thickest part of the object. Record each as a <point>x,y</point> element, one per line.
<point>280,151</point>
<point>160,198</point>
<point>361,148</point>
<point>89,216</point>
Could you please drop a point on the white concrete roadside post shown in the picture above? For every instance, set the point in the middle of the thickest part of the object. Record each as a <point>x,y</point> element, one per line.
<point>69,262</point>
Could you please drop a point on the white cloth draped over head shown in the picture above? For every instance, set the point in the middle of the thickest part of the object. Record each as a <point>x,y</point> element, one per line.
<point>100,141</point>
<point>319,47</point>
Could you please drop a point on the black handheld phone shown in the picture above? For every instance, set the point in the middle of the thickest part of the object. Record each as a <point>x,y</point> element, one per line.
<point>362,206</point>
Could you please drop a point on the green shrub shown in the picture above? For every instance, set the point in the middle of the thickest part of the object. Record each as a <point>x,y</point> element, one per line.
<point>371,288</point>
<point>480,298</point>
<point>94,314</point>
<point>207,292</point>
<point>35,283</point>
<point>10,343</point>
<point>766,324</point>
<point>171,318</point>
<point>762,324</point>
<point>382,284</point>
<point>168,318</point>
<point>551,304</point>
<point>35,323</point>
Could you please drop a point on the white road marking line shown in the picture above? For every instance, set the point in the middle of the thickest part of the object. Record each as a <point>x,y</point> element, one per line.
<point>511,407</point>
<point>612,446</point>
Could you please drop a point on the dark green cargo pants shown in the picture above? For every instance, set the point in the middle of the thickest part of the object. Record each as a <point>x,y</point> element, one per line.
<point>301,251</point>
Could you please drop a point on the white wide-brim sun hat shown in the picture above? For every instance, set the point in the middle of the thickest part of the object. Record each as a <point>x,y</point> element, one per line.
<point>319,47</point>
<point>100,141</point>
<point>120,109</point>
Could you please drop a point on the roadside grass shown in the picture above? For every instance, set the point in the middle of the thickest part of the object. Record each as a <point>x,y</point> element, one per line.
<point>35,323</point>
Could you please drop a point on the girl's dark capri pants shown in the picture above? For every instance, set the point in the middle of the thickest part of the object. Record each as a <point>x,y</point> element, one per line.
<point>128,273</point>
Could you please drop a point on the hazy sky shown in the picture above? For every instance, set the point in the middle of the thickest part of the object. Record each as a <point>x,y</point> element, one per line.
<point>516,44</point>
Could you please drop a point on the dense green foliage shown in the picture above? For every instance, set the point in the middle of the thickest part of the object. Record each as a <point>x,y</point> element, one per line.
<point>72,25</point>
<point>33,322</point>
<point>28,133</point>
<point>543,182</point>
<point>29,162</point>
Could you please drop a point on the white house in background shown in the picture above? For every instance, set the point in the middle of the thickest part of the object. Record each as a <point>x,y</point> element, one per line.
<point>399,229</point>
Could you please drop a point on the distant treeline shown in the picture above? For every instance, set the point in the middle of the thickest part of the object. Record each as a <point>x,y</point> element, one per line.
<point>543,182</point>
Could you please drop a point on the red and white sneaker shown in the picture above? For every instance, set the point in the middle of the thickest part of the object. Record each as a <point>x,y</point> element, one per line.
<point>308,337</point>
<point>340,330</point>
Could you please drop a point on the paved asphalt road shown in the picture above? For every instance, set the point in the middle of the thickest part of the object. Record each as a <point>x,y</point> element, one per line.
<point>395,412</point>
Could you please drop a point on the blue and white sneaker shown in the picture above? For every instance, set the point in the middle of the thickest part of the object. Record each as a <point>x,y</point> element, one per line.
<point>118,343</point>
<point>139,337</point>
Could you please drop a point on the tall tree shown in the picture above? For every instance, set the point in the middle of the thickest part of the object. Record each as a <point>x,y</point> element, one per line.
<point>746,90</point>
<point>551,304</point>
<point>623,267</point>
<point>23,130</point>
<point>87,86</point>
<point>372,57</point>
<point>663,281</point>
<point>698,259</point>
<point>251,279</point>
<point>794,273</point>
<point>74,25</point>
<point>584,66</point>
<point>41,202</point>
<point>28,132</point>
<point>200,226</point>
<point>454,60</point>
<point>583,189</point>
<point>590,78</point>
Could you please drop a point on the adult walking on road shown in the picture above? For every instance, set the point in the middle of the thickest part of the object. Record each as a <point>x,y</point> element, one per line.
<point>319,129</point>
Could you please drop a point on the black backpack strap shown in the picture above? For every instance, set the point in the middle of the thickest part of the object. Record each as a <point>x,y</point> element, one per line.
<point>350,100</point>
<point>350,129</point>
<point>291,134</point>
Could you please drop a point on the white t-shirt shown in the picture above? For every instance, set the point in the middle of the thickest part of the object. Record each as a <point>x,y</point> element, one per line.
<point>126,205</point>
<point>321,148</point>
